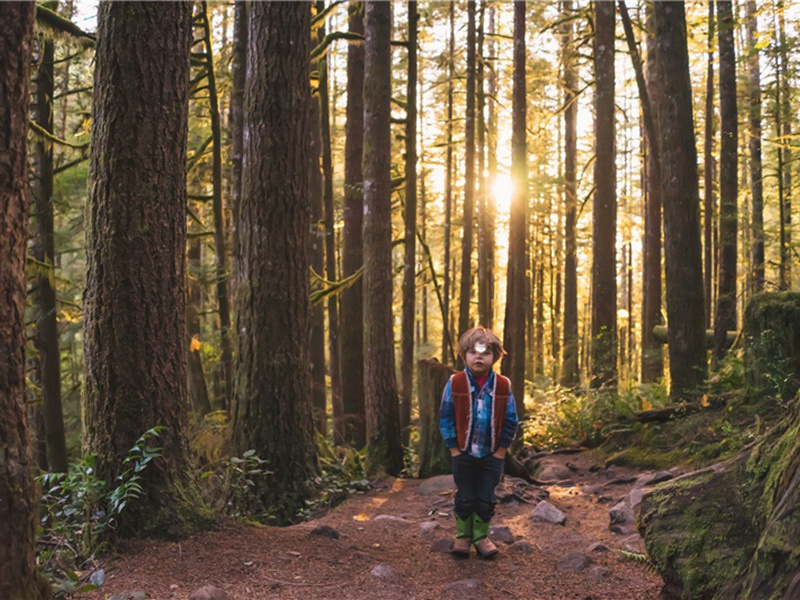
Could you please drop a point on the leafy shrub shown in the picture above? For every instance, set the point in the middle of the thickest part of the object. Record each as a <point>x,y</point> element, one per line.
<point>232,489</point>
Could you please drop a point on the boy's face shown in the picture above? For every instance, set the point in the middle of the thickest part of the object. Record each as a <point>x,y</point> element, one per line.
<point>479,359</point>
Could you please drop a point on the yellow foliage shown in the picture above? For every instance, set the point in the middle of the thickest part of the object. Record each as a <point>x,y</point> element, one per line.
<point>196,345</point>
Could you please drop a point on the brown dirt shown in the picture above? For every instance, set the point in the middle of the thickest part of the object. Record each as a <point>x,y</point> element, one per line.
<point>249,561</point>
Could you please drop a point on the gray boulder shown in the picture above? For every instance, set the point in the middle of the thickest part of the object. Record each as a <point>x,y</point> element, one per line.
<point>545,511</point>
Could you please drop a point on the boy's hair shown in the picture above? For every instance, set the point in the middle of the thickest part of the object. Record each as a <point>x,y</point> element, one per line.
<point>478,334</point>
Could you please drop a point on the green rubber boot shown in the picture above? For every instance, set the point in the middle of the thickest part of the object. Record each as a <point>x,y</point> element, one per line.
<point>463,536</point>
<point>480,532</point>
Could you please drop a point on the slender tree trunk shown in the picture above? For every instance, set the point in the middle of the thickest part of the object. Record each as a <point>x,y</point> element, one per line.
<point>352,360</point>
<point>135,300</point>
<point>709,162</point>
<point>785,158</point>
<point>330,255</point>
<point>725,317</point>
<point>484,285</point>
<point>43,250</point>
<point>465,295</point>
<point>756,181</point>
<point>18,495</point>
<point>195,378</point>
<point>682,249</point>
<point>238,77</point>
<point>272,393</point>
<point>448,189</point>
<point>604,214</point>
<point>570,373</point>
<point>384,448</point>
<point>410,219</point>
<point>488,262</point>
<point>517,288</point>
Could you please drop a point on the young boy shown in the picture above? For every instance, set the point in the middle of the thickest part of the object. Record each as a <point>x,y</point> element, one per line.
<point>478,420</point>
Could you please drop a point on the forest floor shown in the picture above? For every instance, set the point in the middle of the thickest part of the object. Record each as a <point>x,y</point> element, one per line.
<point>394,540</point>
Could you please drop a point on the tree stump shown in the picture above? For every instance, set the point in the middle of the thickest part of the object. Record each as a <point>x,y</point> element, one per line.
<point>434,457</point>
<point>772,346</point>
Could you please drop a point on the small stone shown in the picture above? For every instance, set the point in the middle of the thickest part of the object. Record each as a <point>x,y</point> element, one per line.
<point>621,514</point>
<point>522,546</point>
<point>325,531</point>
<point>633,543</point>
<point>634,498</point>
<point>574,561</point>
<point>130,595</point>
<point>248,563</point>
<point>392,519</point>
<point>436,485</point>
<point>572,467</point>
<point>659,477</point>
<point>622,529</point>
<point>595,468</point>
<point>545,511</point>
<point>293,553</point>
<point>442,545</point>
<point>549,470</point>
<point>383,571</point>
<point>597,572</point>
<point>466,585</point>
<point>209,592</point>
<point>428,526</point>
<point>502,534</point>
<point>597,547</point>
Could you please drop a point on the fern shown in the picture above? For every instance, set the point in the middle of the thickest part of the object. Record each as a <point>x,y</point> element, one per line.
<point>639,559</point>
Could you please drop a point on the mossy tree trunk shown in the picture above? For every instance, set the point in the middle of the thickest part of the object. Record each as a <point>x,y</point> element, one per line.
<point>732,530</point>
<point>18,497</point>
<point>272,384</point>
<point>434,457</point>
<point>135,301</point>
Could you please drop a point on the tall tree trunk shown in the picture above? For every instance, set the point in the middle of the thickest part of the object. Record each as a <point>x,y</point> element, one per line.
<point>465,295</point>
<point>709,162</point>
<point>384,448</point>
<point>330,254</point>
<point>725,316</point>
<point>238,77</point>
<point>448,189</point>
<point>485,287</point>
<point>570,374</point>
<point>135,302</point>
<point>682,249</point>
<point>352,361</point>
<point>317,241</point>
<point>410,219</point>
<point>784,109</point>
<point>272,392</point>
<point>517,288</point>
<point>604,213</point>
<point>44,251</point>
<point>195,378</point>
<point>18,495</point>
<point>220,245</point>
<point>756,182</point>
<point>488,262</point>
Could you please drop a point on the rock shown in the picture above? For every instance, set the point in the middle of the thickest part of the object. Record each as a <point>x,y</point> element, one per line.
<point>545,511</point>
<point>621,514</point>
<point>442,545</point>
<point>597,572</point>
<point>572,467</point>
<point>466,585</point>
<point>502,534</point>
<point>634,497</point>
<point>325,531</point>
<point>522,546</point>
<point>428,526</point>
<point>597,547</point>
<point>392,519</point>
<point>383,571</point>
<point>633,543</point>
<point>595,468</point>
<point>436,485</point>
<point>574,561</point>
<point>130,595</point>
<point>622,529</point>
<point>209,592</point>
<point>659,477</point>
<point>550,470</point>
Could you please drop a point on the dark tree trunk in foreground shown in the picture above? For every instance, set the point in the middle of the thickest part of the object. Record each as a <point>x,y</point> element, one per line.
<point>725,316</point>
<point>134,309</point>
<point>570,373</point>
<point>352,360</point>
<point>447,350</point>
<point>709,168</point>
<point>604,208</point>
<point>518,290</point>
<point>18,496</point>
<point>756,183</point>
<point>682,250</point>
<point>384,450</point>
<point>410,219</point>
<point>44,251</point>
<point>272,383</point>
<point>465,295</point>
<point>730,530</point>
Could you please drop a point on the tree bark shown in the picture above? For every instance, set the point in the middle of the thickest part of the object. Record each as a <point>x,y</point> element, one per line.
<point>410,220</point>
<point>272,400</point>
<point>783,109</point>
<point>756,182</point>
<point>570,373</point>
<point>604,211</point>
<point>384,448</point>
<point>434,458</point>
<point>485,269</point>
<point>448,189</point>
<point>682,249</point>
<point>43,250</point>
<point>135,300</point>
<point>725,316</point>
<point>517,288</point>
<point>195,378</point>
<point>709,168</point>
<point>238,77</point>
<point>18,495</point>
<point>352,361</point>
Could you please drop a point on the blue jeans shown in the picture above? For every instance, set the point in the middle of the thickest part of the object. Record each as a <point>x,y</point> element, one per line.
<point>475,480</point>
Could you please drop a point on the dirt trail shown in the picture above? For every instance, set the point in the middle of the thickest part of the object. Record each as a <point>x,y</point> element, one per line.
<point>393,544</point>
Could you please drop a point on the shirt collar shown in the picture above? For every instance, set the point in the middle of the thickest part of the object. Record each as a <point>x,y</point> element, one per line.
<point>489,378</point>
